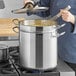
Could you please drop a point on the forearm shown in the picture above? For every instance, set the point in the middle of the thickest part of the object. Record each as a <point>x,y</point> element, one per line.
<point>42,3</point>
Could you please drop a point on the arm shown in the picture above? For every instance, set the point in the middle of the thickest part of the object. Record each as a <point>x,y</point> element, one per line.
<point>69,17</point>
<point>44,3</point>
<point>41,3</point>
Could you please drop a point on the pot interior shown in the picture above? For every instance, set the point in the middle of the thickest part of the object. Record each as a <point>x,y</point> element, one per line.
<point>39,23</point>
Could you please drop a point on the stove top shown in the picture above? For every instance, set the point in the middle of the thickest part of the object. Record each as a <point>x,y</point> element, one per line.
<point>11,67</point>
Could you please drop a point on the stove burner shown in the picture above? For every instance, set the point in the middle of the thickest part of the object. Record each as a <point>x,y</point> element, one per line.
<point>5,68</point>
<point>12,67</point>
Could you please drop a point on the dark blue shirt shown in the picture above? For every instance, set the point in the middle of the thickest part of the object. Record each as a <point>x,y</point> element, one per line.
<point>67,42</point>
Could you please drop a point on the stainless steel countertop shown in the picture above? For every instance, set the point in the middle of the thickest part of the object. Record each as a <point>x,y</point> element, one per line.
<point>64,69</point>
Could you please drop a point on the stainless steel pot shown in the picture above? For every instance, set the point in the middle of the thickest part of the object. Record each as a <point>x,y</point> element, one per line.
<point>38,45</point>
<point>4,52</point>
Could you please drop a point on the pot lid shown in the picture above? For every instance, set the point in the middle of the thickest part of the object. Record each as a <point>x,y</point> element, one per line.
<point>25,10</point>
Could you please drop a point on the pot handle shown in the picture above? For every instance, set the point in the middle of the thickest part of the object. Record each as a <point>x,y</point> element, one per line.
<point>59,14</point>
<point>16,21</point>
<point>16,27</point>
<point>56,28</point>
<point>58,35</point>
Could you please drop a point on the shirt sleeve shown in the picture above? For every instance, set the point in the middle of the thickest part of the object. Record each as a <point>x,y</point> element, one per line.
<point>44,3</point>
<point>74,30</point>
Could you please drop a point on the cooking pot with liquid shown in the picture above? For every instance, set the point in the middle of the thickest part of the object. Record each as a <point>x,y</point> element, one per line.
<point>38,44</point>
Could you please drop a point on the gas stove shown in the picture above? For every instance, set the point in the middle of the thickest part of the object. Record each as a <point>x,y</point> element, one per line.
<point>11,67</point>
<point>7,68</point>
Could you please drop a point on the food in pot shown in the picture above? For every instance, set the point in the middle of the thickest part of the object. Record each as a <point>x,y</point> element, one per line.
<point>39,23</point>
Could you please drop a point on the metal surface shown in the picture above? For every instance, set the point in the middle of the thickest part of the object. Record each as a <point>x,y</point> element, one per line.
<point>30,6</point>
<point>38,47</point>
<point>8,69</point>
<point>53,73</point>
<point>64,69</point>
<point>10,41</point>
<point>25,10</point>
<point>32,56</point>
<point>4,52</point>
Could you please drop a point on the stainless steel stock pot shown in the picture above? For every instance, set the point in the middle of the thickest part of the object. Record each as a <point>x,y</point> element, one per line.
<point>38,44</point>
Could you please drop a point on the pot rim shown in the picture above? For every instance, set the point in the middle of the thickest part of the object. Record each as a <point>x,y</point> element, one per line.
<point>31,25</point>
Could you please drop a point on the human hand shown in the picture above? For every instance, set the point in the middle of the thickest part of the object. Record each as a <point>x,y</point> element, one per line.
<point>28,4</point>
<point>67,16</point>
<point>26,1</point>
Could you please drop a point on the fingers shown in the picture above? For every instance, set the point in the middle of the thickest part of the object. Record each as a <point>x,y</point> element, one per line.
<point>67,16</point>
<point>25,1</point>
<point>64,13</point>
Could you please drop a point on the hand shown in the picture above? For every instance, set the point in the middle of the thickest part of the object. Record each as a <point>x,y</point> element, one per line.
<point>67,16</point>
<point>26,1</point>
<point>30,6</point>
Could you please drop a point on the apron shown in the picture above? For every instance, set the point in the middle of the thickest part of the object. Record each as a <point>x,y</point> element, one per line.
<point>67,42</point>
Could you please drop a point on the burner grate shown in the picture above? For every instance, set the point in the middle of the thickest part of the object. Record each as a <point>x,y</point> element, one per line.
<point>11,67</point>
